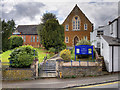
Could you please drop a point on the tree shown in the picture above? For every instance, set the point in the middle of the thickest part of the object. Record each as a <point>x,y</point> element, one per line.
<point>48,16</point>
<point>15,41</point>
<point>7,30</point>
<point>51,32</point>
<point>53,35</point>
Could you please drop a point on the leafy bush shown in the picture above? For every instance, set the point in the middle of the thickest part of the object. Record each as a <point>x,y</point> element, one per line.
<point>23,56</point>
<point>15,41</point>
<point>52,50</point>
<point>65,54</point>
<point>84,42</point>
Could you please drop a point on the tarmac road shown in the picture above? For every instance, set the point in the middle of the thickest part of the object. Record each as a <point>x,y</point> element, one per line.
<point>104,85</point>
<point>58,83</point>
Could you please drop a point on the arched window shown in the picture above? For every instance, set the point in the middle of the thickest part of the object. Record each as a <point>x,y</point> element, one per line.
<point>76,23</point>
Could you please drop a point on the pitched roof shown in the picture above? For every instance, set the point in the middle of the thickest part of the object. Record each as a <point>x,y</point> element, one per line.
<point>111,41</point>
<point>27,29</point>
<point>74,9</point>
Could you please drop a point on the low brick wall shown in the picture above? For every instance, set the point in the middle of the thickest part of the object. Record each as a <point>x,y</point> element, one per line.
<point>17,74</point>
<point>80,71</point>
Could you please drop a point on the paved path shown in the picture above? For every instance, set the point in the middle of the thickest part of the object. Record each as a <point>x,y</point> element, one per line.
<point>58,83</point>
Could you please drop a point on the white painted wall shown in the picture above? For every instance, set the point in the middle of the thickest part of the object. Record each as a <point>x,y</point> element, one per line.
<point>105,51</point>
<point>114,29</point>
<point>116,59</point>
<point>93,35</point>
<point>119,27</point>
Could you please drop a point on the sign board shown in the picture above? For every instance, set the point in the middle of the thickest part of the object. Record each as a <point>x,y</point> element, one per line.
<point>83,50</point>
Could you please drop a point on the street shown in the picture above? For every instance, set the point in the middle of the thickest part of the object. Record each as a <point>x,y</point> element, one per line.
<point>105,85</point>
<point>61,83</point>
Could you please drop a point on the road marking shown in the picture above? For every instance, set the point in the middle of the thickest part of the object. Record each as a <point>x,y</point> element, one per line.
<point>98,85</point>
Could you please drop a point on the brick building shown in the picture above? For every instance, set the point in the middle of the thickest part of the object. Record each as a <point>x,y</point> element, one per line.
<point>76,27</point>
<point>29,34</point>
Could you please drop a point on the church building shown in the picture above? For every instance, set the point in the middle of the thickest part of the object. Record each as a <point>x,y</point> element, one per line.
<point>76,27</point>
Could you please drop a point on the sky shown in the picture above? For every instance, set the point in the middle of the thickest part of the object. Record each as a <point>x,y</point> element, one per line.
<point>27,12</point>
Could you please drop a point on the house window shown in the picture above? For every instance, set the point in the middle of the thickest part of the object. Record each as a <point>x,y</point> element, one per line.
<point>111,30</point>
<point>98,44</point>
<point>85,26</point>
<point>76,23</point>
<point>100,33</point>
<point>85,37</point>
<point>67,27</point>
<point>33,38</point>
<point>67,39</point>
<point>24,38</point>
<point>37,38</point>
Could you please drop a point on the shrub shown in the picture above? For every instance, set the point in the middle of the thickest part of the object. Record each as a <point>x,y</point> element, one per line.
<point>84,42</point>
<point>23,56</point>
<point>15,41</point>
<point>52,50</point>
<point>65,54</point>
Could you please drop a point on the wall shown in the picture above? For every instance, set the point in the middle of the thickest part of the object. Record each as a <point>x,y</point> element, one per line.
<point>17,74</point>
<point>93,35</point>
<point>81,33</point>
<point>80,71</point>
<point>28,41</point>
<point>119,24</point>
<point>114,29</point>
<point>116,58</point>
<point>105,51</point>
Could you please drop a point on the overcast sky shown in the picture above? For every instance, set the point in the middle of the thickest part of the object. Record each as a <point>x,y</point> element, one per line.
<point>26,12</point>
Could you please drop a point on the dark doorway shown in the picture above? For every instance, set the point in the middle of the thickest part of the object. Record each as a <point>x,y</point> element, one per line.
<point>76,40</point>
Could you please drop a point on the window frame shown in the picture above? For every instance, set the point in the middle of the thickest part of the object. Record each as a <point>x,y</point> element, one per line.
<point>66,39</point>
<point>31,38</point>
<point>37,38</point>
<point>85,27</point>
<point>76,23</point>
<point>85,37</point>
<point>66,27</point>
<point>100,32</point>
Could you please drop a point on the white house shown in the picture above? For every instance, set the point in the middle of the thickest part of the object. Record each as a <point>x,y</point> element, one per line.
<point>109,44</point>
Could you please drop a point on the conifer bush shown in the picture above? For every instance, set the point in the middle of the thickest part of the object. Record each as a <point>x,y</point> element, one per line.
<point>65,54</point>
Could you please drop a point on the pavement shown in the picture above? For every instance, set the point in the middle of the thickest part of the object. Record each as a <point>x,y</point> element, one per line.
<point>60,83</point>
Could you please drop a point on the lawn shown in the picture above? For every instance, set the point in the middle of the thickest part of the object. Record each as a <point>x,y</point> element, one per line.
<point>41,54</point>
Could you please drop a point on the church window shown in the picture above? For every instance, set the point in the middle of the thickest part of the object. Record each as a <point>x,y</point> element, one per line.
<point>67,27</point>
<point>76,23</point>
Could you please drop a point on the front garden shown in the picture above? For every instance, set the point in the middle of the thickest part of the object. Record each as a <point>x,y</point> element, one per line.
<point>41,54</point>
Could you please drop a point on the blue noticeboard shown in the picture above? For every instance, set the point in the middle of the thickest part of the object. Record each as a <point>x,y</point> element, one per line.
<point>83,50</point>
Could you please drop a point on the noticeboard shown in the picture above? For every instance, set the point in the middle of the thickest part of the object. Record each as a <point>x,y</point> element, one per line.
<point>83,50</point>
